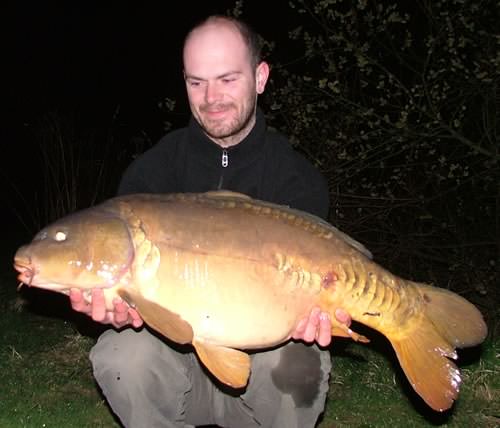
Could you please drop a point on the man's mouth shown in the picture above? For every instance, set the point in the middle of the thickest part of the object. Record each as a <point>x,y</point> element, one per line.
<point>217,110</point>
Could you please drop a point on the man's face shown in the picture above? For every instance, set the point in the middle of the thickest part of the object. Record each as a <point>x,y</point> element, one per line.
<point>222,85</point>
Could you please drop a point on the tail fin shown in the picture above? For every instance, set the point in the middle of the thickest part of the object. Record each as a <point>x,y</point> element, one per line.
<point>449,321</point>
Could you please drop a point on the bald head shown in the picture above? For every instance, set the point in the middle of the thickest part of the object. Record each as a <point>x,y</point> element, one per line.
<point>214,46</point>
<point>223,75</point>
<point>249,37</point>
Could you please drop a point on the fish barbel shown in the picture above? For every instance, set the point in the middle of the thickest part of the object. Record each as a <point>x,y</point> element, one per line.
<point>227,273</point>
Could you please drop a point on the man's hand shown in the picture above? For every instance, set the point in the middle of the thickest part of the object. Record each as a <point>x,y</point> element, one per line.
<point>122,314</point>
<point>318,326</point>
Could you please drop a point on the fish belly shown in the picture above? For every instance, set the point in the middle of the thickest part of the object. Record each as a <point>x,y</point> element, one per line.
<point>234,302</point>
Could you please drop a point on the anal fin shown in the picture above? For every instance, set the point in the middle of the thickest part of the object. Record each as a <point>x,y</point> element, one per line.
<point>341,330</point>
<point>166,322</point>
<point>229,365</point>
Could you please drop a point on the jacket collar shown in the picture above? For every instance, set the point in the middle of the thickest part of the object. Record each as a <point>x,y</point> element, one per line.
<point>244,152</point>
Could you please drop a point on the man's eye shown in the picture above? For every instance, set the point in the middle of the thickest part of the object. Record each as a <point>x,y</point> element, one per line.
<point>228,80</point>
<point>193,83</point>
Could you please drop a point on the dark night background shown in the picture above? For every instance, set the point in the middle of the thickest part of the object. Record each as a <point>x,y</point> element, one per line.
<point>97,63</point>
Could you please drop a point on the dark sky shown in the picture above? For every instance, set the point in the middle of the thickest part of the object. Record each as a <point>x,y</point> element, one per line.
<point>86,59</point>
<point>92,56</point>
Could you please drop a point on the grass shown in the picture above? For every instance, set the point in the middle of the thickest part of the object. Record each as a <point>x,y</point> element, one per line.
<point>368,389</point>
<point>46,378</point>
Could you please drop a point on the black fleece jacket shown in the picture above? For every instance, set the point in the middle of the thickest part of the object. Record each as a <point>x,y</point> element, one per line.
<point>264,166</point>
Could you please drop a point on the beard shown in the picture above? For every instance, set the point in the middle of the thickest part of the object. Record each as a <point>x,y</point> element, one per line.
<point>229,126</point>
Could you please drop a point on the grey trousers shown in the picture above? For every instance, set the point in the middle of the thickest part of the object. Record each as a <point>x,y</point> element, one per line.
<point>149,383</point>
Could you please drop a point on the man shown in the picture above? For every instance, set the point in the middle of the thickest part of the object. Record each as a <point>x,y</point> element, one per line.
<point>150,383</point>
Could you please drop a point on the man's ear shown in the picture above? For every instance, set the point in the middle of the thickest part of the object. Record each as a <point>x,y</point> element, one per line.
<point>261,76</point>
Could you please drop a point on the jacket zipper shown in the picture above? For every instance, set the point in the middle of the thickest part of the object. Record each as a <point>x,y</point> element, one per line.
<point>225,159</point>
<point>224,163</point>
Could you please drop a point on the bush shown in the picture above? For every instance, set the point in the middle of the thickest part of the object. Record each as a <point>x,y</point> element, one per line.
<point>398,105</point>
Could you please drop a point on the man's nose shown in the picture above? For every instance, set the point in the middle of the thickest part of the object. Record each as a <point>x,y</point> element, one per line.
<point>212,93</point>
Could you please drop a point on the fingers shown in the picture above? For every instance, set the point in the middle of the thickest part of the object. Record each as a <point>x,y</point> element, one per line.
<point>343,317</point>
<point>98,306</point>
<point>318,326</point>
<point>121,315</point>
<point>135,318</point>
<point>78,302</point>
<point>312,326</point>
<point>324,332</point>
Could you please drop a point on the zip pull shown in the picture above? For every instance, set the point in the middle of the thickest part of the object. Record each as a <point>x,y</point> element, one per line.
<point>225,159</point>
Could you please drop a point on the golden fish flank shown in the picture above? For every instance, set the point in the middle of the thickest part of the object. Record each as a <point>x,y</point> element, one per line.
<point>297,277</point>
<point>227,273</point>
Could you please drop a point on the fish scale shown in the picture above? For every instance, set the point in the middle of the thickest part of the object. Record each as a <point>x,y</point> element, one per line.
<point>226,273</point>
<point>298,277</point>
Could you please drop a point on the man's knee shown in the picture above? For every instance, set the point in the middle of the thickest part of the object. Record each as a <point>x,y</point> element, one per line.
<point>128,350</point>
<point>144,380</point>
<point>134,356</point>
<point>302,372</point>
<point>288,385</point>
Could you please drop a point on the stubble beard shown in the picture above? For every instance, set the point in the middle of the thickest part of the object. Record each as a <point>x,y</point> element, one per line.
<point>220,130</point>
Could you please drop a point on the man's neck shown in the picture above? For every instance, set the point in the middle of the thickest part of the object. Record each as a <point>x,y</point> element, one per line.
<point>235,139</point>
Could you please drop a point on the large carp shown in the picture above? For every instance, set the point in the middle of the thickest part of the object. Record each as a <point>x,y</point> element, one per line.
<point>226,273</point>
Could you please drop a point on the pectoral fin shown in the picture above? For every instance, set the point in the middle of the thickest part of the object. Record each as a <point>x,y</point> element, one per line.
<point>229,365</point>
<point>162,320</point>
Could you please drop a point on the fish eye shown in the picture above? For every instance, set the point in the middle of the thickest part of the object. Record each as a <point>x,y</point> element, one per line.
<point>60,236</point>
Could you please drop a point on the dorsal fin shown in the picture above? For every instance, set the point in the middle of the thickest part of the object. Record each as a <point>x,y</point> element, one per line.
<point>226,194</point>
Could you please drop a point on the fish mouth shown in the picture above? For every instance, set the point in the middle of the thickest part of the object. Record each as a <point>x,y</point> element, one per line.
<point>27,275</point>
<point>26,271</point>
